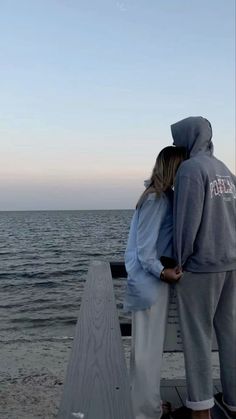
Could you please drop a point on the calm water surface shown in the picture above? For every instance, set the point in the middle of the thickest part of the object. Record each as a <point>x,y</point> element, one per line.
<point>44,257</point>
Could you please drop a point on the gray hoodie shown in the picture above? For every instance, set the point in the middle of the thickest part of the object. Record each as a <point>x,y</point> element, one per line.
<point>204,204</point>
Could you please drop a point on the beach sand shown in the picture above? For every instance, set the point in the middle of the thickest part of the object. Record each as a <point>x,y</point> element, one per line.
<point>32,376</point>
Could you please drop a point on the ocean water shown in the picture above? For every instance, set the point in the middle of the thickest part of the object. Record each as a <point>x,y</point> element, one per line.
<point>44,258</point>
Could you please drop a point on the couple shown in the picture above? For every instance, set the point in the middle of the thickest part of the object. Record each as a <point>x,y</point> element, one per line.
<point>195,225</point>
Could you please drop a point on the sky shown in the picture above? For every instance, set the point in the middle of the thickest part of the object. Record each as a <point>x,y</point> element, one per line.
<point>89,89</point>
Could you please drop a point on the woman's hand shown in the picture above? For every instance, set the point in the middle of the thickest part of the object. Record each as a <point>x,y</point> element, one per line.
<point>171,275</point>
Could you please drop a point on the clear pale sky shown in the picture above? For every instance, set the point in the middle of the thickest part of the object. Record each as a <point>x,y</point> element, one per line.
<point>89,88</point>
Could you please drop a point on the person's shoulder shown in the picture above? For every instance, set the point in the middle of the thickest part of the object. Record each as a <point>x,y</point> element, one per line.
<point>220,164</point>
<point>153,201</point>
<point>153,197</point>
<point>193,170</point>
<point>201,168</point>
<point>189,167</point>
<point>196,165</point>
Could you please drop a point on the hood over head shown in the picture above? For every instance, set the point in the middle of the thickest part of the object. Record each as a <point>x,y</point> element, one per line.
<point>193,133</point>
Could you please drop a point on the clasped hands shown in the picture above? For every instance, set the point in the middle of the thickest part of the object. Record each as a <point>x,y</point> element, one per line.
<point>171,275</point>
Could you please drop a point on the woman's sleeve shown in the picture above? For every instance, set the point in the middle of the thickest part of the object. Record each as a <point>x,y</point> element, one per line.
<point>150,219</point>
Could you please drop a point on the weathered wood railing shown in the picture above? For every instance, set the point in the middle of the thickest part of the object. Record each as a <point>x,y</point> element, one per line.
<point>97,384</point>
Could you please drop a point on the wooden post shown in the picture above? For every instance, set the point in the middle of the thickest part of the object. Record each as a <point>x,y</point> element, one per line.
<point>97,384</point>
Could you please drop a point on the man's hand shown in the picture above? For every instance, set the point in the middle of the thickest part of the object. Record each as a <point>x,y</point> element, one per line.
<point>171,275</point>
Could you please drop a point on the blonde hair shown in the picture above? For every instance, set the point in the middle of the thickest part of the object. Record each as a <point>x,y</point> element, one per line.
<point>164,171</point>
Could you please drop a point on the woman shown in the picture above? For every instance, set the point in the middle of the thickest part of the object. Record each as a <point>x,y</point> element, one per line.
<point>147,292</point>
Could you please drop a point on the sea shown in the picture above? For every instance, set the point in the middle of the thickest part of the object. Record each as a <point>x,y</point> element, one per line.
<point>44,259</point>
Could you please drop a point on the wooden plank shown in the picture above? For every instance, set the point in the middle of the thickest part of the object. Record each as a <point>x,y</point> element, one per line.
<point>182,392</point>
<point>167,382</point>
<point>169,393</point>
<point>118,270</point>
<point>97,384</point>
<point>218,387</point>
<point>216,413</point>
<point>126,329</point>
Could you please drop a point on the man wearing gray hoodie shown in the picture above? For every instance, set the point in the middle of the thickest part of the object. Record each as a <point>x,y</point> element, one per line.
<point>205,246</point>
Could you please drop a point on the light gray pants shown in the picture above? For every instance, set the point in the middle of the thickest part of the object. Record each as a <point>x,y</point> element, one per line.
<point>207,300</point>
<point>148,333</point>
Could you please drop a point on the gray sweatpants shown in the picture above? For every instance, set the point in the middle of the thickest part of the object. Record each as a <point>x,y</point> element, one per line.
<point>207,300</point>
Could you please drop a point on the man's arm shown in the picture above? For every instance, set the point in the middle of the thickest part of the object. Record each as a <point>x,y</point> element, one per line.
<point>188,207</point>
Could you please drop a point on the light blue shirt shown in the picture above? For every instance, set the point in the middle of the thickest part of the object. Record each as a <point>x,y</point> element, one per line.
<point>150,237</point>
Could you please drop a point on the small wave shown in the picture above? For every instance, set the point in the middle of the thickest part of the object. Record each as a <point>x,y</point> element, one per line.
<point>41,274</point>
<point>47,305</point>
<point>22,304</point>
<point>7,253</point>
<point>15,287</point>
<point>47,284</point>
<point>36,340</point>
<point>72,321</point>
<point>38,322</point>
